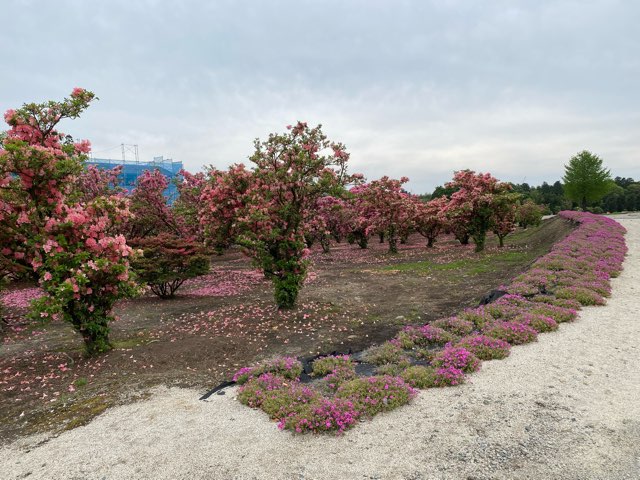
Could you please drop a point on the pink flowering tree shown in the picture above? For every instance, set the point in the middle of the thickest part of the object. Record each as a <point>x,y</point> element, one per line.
<point>529,213</point>
<point>504,215</point>
<point>96,182</point>
<point>292,171</point>
<point>470,209</point>
<point>329,219</point>
<point>360,213</point>
<point>430,219</point>
<point>69,242</point>
<point>186,208</point>
<point>223,200</point>
<point>152,214</point>
<point>170,252</point>
<point>388,208</point>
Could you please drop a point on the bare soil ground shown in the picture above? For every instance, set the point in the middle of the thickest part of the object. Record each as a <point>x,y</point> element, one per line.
<point>227,319</point>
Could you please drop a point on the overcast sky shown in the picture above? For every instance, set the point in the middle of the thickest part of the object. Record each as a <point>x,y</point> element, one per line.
<point>412,88</point>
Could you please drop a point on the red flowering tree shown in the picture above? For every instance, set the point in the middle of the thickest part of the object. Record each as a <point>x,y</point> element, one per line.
<point>69,243</point>
<point>470,208</point>
<point>430,219</point>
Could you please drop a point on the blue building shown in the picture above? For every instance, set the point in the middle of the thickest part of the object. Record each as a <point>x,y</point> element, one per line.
<point>132,169</point>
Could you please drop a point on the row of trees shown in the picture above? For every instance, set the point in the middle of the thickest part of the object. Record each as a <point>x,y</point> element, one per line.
<point>587,185</point>
<point>89,243</point>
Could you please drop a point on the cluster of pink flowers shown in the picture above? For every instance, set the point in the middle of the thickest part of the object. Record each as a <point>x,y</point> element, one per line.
<point>287,367</point>
<point>458,358</point>
<point>484,347</point>
<point>323,416</point>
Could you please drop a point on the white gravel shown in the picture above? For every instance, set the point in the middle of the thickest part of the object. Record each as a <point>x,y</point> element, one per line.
<point>566,407</point>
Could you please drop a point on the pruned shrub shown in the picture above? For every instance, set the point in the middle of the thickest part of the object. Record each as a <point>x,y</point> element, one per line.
<point>424,336</point>
<point>540,323</point>
<point>514,333</point>
<point>583,295</point>
<point>324,365</point>
<point>388,352</point>
<point>456,326</point>
<point>419,376</point>
<point>287,367</point>
<point>377,394</point>
<point>485,347</point>
<point>458,358</point>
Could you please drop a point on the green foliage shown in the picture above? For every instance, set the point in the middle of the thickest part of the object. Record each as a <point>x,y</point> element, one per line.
<point>383,354</point>
<point>419,376</point>
<point>325,365</point>
<point>168,261</point>
<point>585,179</point>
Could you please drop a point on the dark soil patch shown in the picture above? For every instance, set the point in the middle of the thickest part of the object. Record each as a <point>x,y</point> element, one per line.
<point>353,299</point>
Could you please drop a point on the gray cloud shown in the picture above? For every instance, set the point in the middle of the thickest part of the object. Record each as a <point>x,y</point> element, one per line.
<point>412,87</point>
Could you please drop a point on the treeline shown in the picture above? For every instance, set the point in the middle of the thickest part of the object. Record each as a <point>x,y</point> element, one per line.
<point>624,195</point>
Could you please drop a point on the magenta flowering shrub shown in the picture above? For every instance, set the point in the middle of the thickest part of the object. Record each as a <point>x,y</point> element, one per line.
<point>254,391</point>
<point>323,415</point>
<point>339,375</point>
<point>514,333</point>
<point>424,336</point>
<point>478,316</point>
<point>454,325</point>
<point>448,377</point>
<point>558,313</point>
<point>540,323</point>
<point>458,358</point>
<point>388,352</point>
<point>287,367</point>
<point>567,303</point>
<point>585,296</point>
<point>485,348</point>
<point>419,376</point>
<point>325,365</point>
<point>580,266</point>
<point>376,394</point>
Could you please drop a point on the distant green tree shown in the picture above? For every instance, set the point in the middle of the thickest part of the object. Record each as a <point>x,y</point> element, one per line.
<point>585,179</point>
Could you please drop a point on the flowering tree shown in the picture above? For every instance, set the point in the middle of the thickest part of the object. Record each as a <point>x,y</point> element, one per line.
<point>96,182</point>
<point>292,171</point>
<point>186,208</point>
<point>223,200</point>
<point>504,215</point>
<point>388,208</point>
<point>529,213</point>
<point>68,241</point>
<point>429,219</point>
<point>151,213</point>
<point>329,219</point>
<point>471,206</point>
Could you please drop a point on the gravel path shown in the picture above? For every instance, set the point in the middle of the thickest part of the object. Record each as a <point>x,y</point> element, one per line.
<point>566,407</point>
